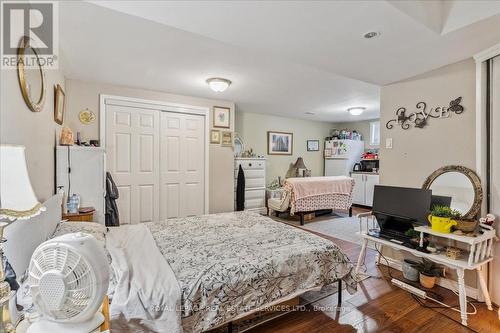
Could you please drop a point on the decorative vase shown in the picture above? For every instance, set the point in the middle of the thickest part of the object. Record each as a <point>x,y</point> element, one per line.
<point>409,271</point>
<point>441,224</point>
<point>427,281</point>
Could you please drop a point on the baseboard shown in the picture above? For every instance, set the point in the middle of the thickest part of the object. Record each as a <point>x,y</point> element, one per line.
<point>443,282</point>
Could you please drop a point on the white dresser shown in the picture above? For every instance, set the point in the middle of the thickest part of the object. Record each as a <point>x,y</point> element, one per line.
<point>255,182</point>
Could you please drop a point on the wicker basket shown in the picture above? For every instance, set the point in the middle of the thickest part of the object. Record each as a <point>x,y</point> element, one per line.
<point>466,225</point>
<point>453,253</point>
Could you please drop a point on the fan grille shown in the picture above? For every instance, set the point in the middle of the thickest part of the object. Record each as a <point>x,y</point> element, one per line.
<point>62,281</point>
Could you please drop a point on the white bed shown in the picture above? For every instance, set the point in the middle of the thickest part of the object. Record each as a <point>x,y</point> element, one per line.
<point>195,274</point>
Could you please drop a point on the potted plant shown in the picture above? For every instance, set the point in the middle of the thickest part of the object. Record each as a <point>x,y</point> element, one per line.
<point>428,273</point>
<point>414,237</point>
<point>442,218</point>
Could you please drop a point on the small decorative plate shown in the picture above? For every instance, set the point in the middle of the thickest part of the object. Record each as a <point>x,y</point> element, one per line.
<point>86,116</point>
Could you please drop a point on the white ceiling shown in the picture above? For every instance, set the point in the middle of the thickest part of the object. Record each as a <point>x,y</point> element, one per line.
<point>284,57</point>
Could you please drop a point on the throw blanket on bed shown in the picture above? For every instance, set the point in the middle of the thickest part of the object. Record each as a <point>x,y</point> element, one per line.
<point>304,187</point>
<point>233,263</point>
<point>147,294</point>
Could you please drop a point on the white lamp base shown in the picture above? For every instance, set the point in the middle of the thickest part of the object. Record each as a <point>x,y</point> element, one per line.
<point>44,325</point>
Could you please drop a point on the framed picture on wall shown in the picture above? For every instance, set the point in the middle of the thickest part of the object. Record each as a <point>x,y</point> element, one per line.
<point>59,99</point>
<point>227,139</point>
<point>279,143</point>
<point>215,136</point>
<point>312,145</point>
<point>221,117</point>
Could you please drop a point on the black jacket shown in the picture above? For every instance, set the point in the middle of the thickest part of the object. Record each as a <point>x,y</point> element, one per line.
<point>240,190</point>
<point>112,217</point>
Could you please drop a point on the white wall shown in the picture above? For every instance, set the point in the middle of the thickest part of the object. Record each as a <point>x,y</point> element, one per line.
<point>418,152</point>
<point>35,130</point>
<point>253,127</point>
<point>81,95</point>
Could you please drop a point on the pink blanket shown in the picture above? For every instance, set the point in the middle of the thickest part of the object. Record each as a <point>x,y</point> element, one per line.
<point>310,186</point>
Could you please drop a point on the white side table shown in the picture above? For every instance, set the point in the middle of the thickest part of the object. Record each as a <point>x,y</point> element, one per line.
<point>480,253</point>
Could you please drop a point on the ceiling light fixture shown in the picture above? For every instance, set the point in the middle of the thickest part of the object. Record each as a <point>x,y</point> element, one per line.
<point>310,113</point>
<point>356,111</point>
<point>371,34</point>
<point>218,84</point>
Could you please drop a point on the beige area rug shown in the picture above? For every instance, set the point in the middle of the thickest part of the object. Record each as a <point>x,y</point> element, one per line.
<point>333,225</point>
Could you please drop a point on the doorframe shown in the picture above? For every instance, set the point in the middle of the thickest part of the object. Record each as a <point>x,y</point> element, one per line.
<point>160,106</point>
<point>482,139</point>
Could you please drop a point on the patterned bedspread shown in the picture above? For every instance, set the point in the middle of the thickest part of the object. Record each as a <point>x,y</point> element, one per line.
<point>232,263</point>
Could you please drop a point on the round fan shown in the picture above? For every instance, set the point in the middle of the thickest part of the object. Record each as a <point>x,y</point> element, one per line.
<point>68,277</point>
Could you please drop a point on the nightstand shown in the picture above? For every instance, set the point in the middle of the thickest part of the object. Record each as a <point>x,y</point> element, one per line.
<point>79,217</point>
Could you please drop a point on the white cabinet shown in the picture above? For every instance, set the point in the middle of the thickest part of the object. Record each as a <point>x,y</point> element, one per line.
<point>364,185</point>
<point>255,182</point>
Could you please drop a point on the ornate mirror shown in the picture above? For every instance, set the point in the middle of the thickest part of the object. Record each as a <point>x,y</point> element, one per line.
<point>31,75</point>
<point>459,183</point>
<point>239,145</point>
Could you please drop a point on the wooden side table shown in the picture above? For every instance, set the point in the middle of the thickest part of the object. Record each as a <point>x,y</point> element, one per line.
<point>79,217</point>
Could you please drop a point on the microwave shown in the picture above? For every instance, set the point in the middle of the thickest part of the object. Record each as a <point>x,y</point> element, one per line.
<point>369,165</point>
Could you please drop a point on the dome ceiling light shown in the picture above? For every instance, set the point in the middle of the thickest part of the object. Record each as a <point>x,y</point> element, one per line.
<point>356,111</point>
<point>218,84</point>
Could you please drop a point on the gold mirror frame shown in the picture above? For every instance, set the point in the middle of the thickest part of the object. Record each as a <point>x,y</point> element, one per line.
<point>34,106</point>
<point>474,179</point>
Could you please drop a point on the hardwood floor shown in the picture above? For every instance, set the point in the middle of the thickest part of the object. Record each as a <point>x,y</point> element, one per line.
<point>378,306</point>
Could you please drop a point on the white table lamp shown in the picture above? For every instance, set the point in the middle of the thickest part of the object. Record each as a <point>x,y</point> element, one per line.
<point>17,201</point>
<point>17,198</point>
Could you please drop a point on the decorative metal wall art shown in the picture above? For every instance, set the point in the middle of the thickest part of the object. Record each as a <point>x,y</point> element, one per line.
<point>420,117</point>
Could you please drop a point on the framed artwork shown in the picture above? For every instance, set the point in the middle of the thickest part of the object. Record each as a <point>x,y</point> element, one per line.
<point>227,139</point>
<point>59,101</point>
<point>312,145</point>
<point>279,143</point>
<point>215,136</point>
<point>221,117</point>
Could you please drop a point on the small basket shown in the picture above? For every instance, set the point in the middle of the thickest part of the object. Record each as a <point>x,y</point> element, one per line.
<point>453,253</point>
<point>466,225</point>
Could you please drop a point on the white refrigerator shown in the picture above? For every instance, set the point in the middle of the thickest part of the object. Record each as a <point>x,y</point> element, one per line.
<point>81,170</point>
<point>345,153</point>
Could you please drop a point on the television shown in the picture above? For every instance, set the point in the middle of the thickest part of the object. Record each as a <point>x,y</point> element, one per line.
<point>400,208</point>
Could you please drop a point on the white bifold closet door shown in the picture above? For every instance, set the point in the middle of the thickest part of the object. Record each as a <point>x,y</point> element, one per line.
<point>156,159</point>
<point>182,160</point>
<point>495,173</point>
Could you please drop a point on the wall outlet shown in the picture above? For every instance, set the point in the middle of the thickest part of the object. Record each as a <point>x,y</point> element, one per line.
<point>388,143</point>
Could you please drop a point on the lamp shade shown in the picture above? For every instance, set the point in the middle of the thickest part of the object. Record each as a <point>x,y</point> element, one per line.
<point>17,198</point>
<point>299,164</point>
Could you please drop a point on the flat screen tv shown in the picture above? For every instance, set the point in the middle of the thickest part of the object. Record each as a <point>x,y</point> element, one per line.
<point>401,207</point>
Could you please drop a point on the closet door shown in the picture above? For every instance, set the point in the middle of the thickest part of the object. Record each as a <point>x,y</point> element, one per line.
<point>182,165</point>
<point>495,173</point>
<point>132,149</point>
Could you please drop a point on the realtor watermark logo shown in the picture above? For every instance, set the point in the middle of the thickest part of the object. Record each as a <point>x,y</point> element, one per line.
<point>34,23</point>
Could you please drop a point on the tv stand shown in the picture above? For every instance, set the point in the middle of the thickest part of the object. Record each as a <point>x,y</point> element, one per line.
<point>480,253</point>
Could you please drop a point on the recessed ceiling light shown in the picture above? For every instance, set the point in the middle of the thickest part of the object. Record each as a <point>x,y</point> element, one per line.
<point>356,111</point>
<point>310,113</point>
<point>218,84</point>
<point>371,34</point>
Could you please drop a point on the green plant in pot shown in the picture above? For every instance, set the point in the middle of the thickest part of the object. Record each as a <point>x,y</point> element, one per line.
<point>442,218</point>
<point>415,237</point>
<point>428,273</point>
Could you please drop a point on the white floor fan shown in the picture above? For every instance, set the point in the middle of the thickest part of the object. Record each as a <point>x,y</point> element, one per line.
<point>68,277</point>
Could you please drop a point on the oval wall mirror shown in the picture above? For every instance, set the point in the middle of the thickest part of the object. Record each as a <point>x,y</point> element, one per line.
<point>459,186</point>
<point>31,75</point>
<point>239,145</point>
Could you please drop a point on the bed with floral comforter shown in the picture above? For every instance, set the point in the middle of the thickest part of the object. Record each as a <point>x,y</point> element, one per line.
<point>230,264</point>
